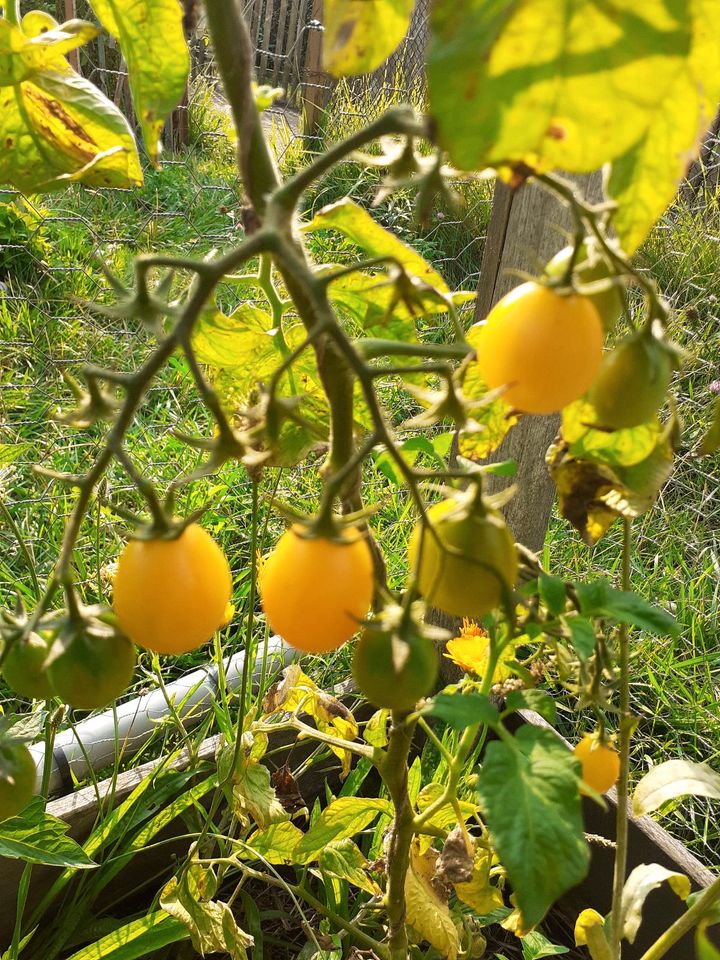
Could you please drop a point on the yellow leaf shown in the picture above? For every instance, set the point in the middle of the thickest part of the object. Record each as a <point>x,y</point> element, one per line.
<point>297,693</point>
<point>426,913</point>
<point>361,34</point>
<point>478,893</point>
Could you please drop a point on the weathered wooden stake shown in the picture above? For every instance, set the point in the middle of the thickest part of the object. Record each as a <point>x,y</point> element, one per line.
<point>316,83</point>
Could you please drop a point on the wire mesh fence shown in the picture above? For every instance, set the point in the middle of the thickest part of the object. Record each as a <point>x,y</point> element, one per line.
<point>51,255</point>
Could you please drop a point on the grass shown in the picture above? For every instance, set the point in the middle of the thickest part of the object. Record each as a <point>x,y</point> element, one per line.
<point>51,252</point>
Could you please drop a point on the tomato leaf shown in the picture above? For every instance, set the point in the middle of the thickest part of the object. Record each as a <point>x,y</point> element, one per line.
<point>673,779</point>
<point>582,636</point>
<point>341,819</point>
<point>344,860</point>
<point>599,599</point>
<point>38,837</point>
<point>150,33</point>
<point>275,844</point>
<point>212,925</point>
<point>479,893</point>
<point>537,700</point>
<point>355,223</point>
<point>552,593</point>
<point>530,797</point>
<point>643,182</point>
<point>639,885</point>
<point>361,34</point>
<point>59,128</point>
<point>459,711</point>
<point>427,914</point>
<point>500,98</point>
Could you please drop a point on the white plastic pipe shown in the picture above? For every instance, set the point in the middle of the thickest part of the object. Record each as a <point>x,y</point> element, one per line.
<point>96,742</point>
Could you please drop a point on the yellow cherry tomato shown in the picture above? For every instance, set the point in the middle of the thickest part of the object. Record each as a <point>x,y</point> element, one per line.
<point>171,596</point>
<point>316,590</point>
<point>600,763</point>
<point>545,347</point>
<point>469,582</point>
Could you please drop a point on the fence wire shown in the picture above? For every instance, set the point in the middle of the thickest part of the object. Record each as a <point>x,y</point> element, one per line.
<point>51,255</point>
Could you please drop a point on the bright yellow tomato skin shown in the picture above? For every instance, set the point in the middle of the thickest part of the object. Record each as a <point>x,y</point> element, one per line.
<point>469,584</point>
<point>315,591</point>
<point>171,596</point>
<point>545,347</point>
<point>600,764</point>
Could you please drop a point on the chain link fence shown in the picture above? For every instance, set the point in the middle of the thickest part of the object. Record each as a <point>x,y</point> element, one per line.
<point>52,251</point>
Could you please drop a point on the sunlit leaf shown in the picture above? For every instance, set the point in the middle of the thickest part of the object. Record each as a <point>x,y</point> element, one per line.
<point>582,96</point>
<point>619,448</point>
<point>427,914</point>
<point>344,860</point>
<point>599,599</point>
<point>673,779</point>
<point>644,181</point>
<point>590,933</point>
<point>58,128</point>
<point>355,223</point>
<point>639,885</point>
<point>211,924</point>
<point>27,50</point>
<point>479,893</point>
<point>340,820</point>
<point>361,34</point>
<point>297,693</point>
<point>275,845</point>
<point>150,33</point>
<point>461,711</point>
<point>38,837</point>
<point>530,797</point>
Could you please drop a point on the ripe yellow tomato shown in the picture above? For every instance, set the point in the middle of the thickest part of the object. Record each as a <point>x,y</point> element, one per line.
<point>171,596</point>
<point>92,671</point>
<point>17,779</point>
<point>394,671</point>
<point>633,382</point>
<point>24,668</point>
<point>544,346</point>
<point>468,583</point>
<point>314,590</point>
<point>600,763</point>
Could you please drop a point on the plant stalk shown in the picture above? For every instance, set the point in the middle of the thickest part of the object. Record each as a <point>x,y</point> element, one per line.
<point>621,829</point>
<point>685,923</point>
<point>394,771</point>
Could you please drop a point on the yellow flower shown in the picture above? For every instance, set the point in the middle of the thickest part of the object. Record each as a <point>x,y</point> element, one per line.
<point>471,650</point>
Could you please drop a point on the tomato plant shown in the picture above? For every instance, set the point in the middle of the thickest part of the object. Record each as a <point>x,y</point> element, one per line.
<point>368,364</point>
<point>542,346</point>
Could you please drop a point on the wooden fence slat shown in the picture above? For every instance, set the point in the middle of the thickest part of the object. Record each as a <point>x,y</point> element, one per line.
<point>293,49</point>
<point>282,43</point>
<point>265,45</point>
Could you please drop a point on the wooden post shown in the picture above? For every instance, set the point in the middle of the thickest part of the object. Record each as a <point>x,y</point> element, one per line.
<point>316,83</point>
<point>527,228</point>
<point>73,55</point>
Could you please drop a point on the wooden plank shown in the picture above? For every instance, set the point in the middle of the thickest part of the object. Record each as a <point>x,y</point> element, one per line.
<point>71,14</point>
<point>527,228</point>
<point>316,87</point>
<point>291,73</point>
<point>282,43</point>
<point>264,44</point>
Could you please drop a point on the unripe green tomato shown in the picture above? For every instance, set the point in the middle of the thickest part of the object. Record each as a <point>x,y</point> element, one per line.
<point>17,779</point>
<point>93,670</point>
<point>633,382</point>
<point>591,267</point>
<point>24,668</point>
<point>393,671</point>
<point>470,578</point>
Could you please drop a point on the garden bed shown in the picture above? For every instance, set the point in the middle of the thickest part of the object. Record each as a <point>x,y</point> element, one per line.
<point>649,843</point>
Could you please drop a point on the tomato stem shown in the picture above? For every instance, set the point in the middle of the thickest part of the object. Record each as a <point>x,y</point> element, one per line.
<point>621,830</point>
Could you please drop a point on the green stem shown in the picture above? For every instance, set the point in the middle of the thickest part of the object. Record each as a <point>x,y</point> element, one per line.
<point>621,829</point>
<point>707,899</point>
<point>25,549</point>
<point>12,11</point>
<point>394,771</point>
